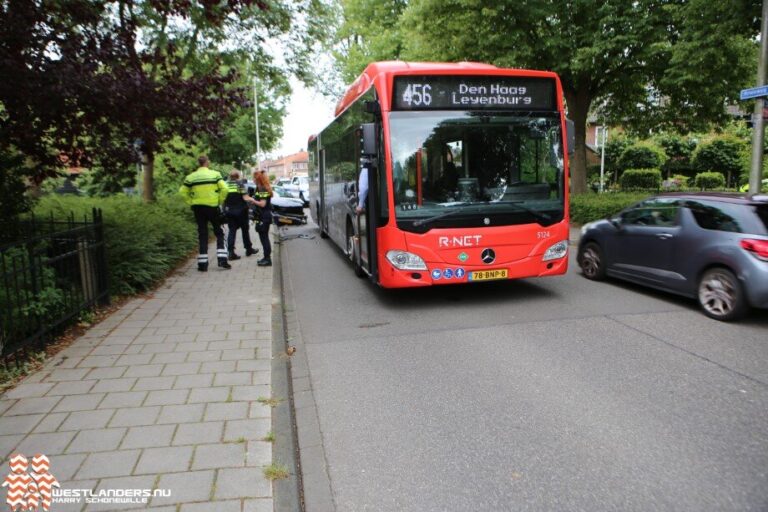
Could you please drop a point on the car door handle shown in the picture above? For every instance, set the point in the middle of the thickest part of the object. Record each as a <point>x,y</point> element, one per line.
<point>664,236</point>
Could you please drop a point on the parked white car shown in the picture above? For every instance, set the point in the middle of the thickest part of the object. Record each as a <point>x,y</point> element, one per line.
<point>299,188</point>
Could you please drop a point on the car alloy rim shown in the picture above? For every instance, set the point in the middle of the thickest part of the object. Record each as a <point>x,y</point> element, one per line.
<point>717,294</point>
<point>590,262</point>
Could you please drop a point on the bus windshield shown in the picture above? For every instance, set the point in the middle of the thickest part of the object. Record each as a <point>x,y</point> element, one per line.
<point>464,169</point>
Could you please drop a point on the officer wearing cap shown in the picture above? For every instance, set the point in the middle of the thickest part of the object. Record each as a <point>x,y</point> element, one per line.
<point>205,191</point>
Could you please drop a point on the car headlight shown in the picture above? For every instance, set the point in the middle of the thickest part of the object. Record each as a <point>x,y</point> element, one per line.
<point>403,260</point>
<point>556,251</point>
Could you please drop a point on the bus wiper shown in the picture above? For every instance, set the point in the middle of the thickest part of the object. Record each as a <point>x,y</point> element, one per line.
<point>541,217</point>
<point>448,213</point>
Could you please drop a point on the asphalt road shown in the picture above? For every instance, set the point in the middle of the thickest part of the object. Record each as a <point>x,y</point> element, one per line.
<point>551,394</point>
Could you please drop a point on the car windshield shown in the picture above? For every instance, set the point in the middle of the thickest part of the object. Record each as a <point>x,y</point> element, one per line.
<point>281,192</point>
<point>460,169</point>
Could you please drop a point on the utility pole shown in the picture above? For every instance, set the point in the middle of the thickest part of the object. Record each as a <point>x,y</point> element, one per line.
<point>758,133</point>
<point>604,133</point>
<point>256,118</point>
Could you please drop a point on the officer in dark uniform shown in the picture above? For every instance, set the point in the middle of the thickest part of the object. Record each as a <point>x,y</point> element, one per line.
<point>236,212</point>
<point>263,197</point>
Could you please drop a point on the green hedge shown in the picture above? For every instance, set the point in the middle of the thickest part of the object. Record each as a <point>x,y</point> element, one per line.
<point>641,179</point>
<point>710,180</point>
<point>144,241</point>
<point>588,207</point>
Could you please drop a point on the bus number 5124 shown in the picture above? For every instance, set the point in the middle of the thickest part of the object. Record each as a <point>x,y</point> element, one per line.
<point>418,95</point>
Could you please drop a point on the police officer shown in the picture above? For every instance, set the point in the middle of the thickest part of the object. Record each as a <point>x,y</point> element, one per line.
<point>263,196</point>
<point>236,212</point>
<point>205,191</point>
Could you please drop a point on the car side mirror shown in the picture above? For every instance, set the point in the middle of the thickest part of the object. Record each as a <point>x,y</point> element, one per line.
<point>616,221</point>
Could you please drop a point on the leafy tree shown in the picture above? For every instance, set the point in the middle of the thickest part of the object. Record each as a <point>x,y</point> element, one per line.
<point>642,155</point>
<point>721,153</point>
<point>678,149</point>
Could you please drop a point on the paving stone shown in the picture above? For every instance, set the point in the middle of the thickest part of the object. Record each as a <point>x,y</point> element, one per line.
<point>81,420</point>
<point>29,390</point>
<point>242,483</point>
<point>217,367</point>
<point>52,443</point>
<point>261,378</point>
<point>167,397</point>
<point>65,361</point>
<point>8,444</point>
<point>101,440</point>
<point>232,379</point>
<point>114,385</point>
<point>185,338</point>
<point>133,360</point>
<point>153,383</point>
<point>109,464</point>
<point>185,487</point>
<point>194,381</point>
<point>218,506</point>
<point>114,372</point>
<point>79,402</point>
<point>67,374</point>
<point>125,399</point>
<point>33,406</point>
<point>259,505</point>
<point>148,436</point>
<point>135,416</point>
<point>126,482</point>
<point>170,357</point>
<point>258,453</point>
<point>250,393</point>
<point>199,433</point>
<point>190,413</point>
<point>19,424</point>
<point>98,361</point>
<point>260,410</point>
<point>223,345</point>
<point>50,422</point>
<point>109,350</point>
<point>181,369</point>
<point>214,456</point>
<point>226,411</point>
<point>235,430</point>
<point>77,387</point>
<point>195,346</point>
<point>254,365</point>
<point>164,460</point>
<point>65,466</point>
<point>148,338</point>
<point>220,394</point>
<point>204,356</point>
<point>144,370</point>
<point>158,348</point>
<point>238,355</point>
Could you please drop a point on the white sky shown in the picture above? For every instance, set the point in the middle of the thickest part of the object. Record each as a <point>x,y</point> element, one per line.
<point>308,113</point>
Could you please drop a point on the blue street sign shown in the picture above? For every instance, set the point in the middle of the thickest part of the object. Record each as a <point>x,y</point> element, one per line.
<point>754,92</point>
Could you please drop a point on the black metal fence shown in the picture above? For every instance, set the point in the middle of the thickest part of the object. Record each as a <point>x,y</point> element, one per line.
<point>50,274</point>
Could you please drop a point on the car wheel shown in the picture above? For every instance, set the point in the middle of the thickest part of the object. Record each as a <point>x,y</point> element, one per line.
<point>721,295</point>
<point>592,262</point>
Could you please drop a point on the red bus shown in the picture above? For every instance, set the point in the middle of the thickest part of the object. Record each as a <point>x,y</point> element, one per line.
<point>467,173</point>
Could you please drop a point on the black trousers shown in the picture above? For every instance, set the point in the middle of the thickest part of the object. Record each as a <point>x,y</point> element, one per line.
<point>263,231</point>
<point>204,215</point>
<point>234,223</point>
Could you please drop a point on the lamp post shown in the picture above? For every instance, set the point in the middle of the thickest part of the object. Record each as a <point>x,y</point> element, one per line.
<point>757,118</point>
<point>256,120</point>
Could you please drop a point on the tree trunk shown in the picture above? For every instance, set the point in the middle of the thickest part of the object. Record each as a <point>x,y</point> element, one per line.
<point>149,177</point>
<point>578,110</point>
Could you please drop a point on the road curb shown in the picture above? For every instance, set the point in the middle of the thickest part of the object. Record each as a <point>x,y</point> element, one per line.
<point>287,492</point>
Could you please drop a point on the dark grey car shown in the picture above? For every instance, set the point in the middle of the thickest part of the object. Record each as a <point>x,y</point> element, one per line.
<point>709,246</point>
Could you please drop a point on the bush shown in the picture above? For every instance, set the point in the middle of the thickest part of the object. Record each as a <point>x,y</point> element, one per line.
<point>642,155</point>
<point>588,207</point>
<point>723,153</point>
<point>710,180</point>
<point>143,241</point>
<point>641,179</point>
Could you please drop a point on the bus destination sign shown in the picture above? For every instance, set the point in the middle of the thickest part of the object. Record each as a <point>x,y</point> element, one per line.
<point>443,92</point>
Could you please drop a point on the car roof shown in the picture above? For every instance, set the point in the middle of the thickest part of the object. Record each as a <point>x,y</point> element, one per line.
<point>725,197</point>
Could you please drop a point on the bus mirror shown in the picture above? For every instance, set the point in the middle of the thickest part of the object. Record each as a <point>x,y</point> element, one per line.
<point>368,132</point>
<point>570,130</point>
<point>372,107</point>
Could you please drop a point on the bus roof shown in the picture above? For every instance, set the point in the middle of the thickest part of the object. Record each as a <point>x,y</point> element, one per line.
<point>383,71</point>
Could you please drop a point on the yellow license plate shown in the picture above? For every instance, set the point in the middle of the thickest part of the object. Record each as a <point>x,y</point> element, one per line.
<point>488,275</point>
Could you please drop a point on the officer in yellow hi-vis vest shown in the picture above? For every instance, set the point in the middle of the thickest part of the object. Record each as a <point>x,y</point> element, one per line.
<point>205,191</point>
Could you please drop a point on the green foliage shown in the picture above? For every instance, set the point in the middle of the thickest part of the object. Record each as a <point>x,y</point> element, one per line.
<point>588,207</point>
<point>11,373</point>
<point>679,150</point>
<point>13,199</point>
<point>640,179</point>
<point>722,153</point>
<point>143,241</point>
<point>642,155</point>
<point>710,180</point>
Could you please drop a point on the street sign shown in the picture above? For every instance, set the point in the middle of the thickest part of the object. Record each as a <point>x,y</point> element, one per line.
<point>754,92</point>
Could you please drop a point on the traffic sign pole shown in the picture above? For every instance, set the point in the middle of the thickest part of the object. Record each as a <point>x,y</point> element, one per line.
<point>758,133</point>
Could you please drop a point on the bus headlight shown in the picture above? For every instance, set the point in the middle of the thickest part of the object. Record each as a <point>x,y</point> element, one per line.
<point>556,251</point>
<point>402,260</point>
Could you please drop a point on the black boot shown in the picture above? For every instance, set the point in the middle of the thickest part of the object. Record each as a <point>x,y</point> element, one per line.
<point>224,264</point>
<point>264,262</point>
<point>233,255</point>
<point>251,251</point>
<point>202,267</point>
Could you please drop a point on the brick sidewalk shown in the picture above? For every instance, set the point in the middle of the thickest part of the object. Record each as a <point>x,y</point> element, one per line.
<point>160,395</point>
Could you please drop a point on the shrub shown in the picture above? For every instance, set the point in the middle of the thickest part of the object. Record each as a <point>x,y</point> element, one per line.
<point>143,241</point>
<point>613,150</point>
<point>643,155</point>
<point>710,180</point>
<point>640,179</point>
<point>588,207</point>
<point>722,153</point>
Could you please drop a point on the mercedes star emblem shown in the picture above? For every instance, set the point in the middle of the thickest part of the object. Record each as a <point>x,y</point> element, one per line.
<point>488,256</point>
